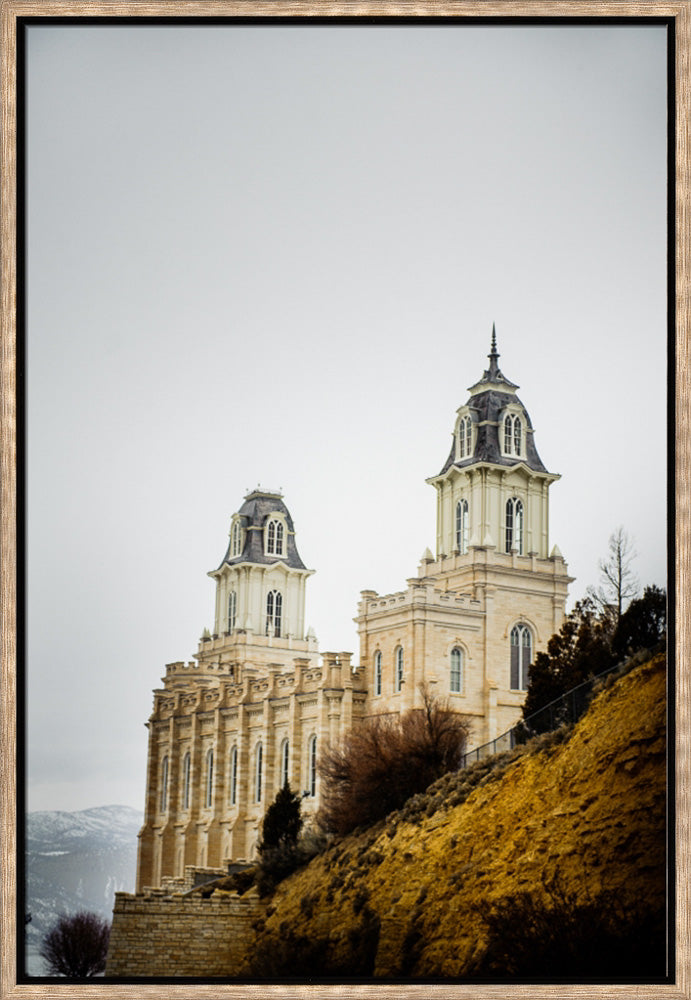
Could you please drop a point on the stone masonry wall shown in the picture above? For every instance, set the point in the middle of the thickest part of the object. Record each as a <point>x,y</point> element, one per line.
<point>155,935</point>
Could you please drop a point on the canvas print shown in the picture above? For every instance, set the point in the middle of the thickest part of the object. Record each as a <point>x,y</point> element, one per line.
<point>346,498</point>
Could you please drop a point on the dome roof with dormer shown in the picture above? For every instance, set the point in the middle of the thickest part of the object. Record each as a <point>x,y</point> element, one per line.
<point>490,398</point>
<point>254,517</point>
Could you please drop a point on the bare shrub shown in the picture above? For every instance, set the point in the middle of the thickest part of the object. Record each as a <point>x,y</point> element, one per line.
<point>386,760</point>
<point>77,945</point>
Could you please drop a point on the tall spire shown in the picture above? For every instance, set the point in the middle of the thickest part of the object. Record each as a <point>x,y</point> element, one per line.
<point>493,355</point>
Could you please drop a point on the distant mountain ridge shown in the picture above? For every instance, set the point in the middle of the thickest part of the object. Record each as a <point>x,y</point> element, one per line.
<point>76,861</point>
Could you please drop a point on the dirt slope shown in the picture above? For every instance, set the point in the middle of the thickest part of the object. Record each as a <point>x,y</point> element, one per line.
<point>401,898</point>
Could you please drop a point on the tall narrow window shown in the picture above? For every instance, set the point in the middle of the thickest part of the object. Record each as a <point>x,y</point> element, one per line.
<point>209,779</point>
<point>258,767</point>
<point>517,435</point>
<point>186,770</point>
<point>508,435</point>
<point>274,538</point>
<point>465,436</point>
<point>514,525</point>
<point>462,526</point>
<point>232,609</point>
<point>285,758</point>
<point>236,539</point>
<point>521,656</point>
<point>398,668</point>
<point>377,672</point>
<point>164,785</point>
<point>274,612</point>
<point>513,434</point>
<point>234,776</point>
<point>456,674</point>
<point>312,766</point>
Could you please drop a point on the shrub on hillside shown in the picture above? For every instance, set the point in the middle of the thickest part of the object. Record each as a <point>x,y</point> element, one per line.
<point>77,945</point>
<point>379,765</point>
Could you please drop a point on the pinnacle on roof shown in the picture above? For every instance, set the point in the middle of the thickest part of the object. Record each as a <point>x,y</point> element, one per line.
<point>493,373</point>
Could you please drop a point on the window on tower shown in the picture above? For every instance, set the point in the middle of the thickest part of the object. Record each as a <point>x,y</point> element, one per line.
<point>274,612</point>
<point>274,538</point>
<point>377,672</point>
<point>462,526</point>
<point>456,672</point>
<point>232,609</point>
<point>398,669</point>
<point>236,539</point>
<point>521,656</point>
<point>513,435</point>
<point>514,526</point>
<point>465,437</point>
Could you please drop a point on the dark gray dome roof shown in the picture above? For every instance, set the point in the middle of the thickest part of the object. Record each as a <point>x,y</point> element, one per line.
<point>488,398</point>
<point>253,516</point>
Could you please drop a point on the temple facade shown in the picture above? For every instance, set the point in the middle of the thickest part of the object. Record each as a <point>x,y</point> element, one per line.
<point>257,703</point>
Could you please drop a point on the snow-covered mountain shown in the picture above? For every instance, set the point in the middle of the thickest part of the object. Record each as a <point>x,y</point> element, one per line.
<point>76,861</point>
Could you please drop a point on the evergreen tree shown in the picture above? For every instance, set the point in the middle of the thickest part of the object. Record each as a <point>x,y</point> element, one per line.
<point>282,822</point>
<point>643,623</point>
<point>580,649</point>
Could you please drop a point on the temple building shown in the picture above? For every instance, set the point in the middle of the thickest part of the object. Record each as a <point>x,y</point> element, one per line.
<point>252,710</point>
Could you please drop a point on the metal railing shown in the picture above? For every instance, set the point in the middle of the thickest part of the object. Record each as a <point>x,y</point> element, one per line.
<point>563,710</point>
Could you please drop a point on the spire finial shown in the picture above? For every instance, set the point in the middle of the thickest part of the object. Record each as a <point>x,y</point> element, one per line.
<point>493,355</point>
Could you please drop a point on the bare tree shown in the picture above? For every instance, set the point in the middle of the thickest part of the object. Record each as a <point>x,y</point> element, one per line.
<point>618,582</point>
<point>77,945</point>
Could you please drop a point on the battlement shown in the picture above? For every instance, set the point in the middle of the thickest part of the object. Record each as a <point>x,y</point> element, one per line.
<point>227,687</point>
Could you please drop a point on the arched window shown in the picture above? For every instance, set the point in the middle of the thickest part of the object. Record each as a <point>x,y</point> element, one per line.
<point>258,766</point>
<point>456,672</point>
<point>462,526</point>
<point>234,776</point>
<point>274,538</point>
<point>208,802</point>
<point>377,672</point>
<point>312,766</point>
<point>514,525</point>
<point>274,611</point>
<point>465,437</point>
<point>164,785</point>
<point>513,434</point>
<point>521,656</point>
<point>232,609</point>
<point>186,770</point>
<point>398,669</point>
<point>284,761</point>
<point>236,539</point>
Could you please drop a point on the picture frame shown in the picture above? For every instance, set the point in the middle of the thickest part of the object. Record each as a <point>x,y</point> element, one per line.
<point>14,13</point>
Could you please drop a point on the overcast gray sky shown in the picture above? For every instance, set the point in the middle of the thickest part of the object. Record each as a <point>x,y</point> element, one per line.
<point>274,255</point>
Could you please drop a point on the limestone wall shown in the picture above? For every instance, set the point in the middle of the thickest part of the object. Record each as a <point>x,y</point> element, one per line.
<point>155,935</point>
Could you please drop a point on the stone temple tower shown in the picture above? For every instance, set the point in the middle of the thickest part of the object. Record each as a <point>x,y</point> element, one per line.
<point>250,713</point>
<point>493,593</point>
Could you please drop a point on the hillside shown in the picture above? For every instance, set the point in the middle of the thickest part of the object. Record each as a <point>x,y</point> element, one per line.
<point>565,836</point>
<point>76,861</point>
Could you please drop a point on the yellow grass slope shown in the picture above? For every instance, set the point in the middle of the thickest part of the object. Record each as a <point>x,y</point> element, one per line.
<point>589,810</point>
